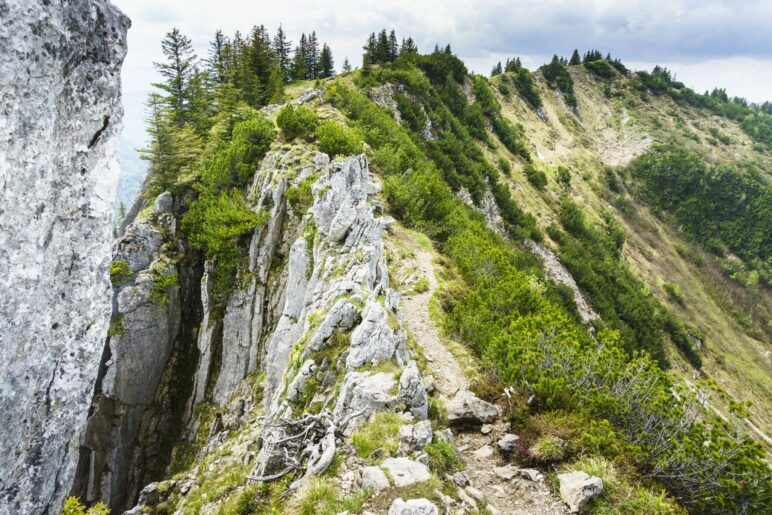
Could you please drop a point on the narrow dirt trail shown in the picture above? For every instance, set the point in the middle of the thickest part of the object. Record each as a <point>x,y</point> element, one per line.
<point>484,466</point>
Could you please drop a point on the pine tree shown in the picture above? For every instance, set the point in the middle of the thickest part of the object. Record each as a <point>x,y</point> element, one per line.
<point>326,64</point>
<point>496,69</point>
<point>176,72</point>
<point>216,61</point>
<point>281,48</point>
<point>346,65</point>
<point>369,56</point>
<point>393,46</point>
<point>382,51</point>
<point>312,57</point>
<point>575,59</point>
<point>408,47</point>
<point>299,64</point>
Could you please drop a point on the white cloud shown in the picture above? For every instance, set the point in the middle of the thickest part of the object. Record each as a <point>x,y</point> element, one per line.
<point>706,42</point>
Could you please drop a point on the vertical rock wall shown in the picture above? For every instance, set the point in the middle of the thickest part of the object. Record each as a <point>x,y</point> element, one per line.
<point>60,114</point>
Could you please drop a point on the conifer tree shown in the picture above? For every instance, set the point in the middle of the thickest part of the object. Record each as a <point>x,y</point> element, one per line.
<point>326,64</point>
<point>393,46</point>
<point>575,59</point>
<point>408,47</point>
<point>299,63</point>
<point>216,61</point>
<point>496,69</point>
<point>281,48</point>
<point>370,50</point>
<point>346,65</point>
<point>382,51</point>
<point>312,57</point>
<point>176,72</point>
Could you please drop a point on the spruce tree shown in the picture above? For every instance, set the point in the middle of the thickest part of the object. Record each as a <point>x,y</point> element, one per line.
<point>326,65</point>
<point>370,49</point>
<point>575,59</point>
<point>312,57</point>
<point>393,46</point>
<point>176,72</point>
<point>408,47</point>
<point>382,51</point>
<point>216,61</point>
<point>346,65</point>
<point>299,65</point>
<point>281,49</point>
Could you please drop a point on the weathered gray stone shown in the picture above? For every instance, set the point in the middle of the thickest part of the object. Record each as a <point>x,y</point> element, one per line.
<point>508,442</point>
<point>372,478</point>
<point>61,114</point>
<point>578,488</point>
<point>405,472</point>
<point>419,506</point>
<point>365,393</point>
<point>466,409</point>
<point>412,391</point>
<point>373,341</point>
<point>163,203</point>
<point>417,436</point>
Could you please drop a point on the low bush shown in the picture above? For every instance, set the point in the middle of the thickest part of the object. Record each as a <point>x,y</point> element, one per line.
<point>442,458</point>
<point>536,177</point>
<point>296,121</point>
<point>120,273</point>
<point>378,438</point>
<point>336,139</point>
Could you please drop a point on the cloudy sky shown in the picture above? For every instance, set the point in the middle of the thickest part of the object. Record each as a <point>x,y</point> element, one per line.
<point>707,43</point>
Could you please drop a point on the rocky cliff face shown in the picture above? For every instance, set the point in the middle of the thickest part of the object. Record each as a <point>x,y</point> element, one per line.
<point>60,114</point>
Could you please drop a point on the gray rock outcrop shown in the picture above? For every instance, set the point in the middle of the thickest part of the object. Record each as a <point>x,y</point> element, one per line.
<point>467,409</point>
<point>60,113</point>
<point>578,488</point>
<point>413,507</point>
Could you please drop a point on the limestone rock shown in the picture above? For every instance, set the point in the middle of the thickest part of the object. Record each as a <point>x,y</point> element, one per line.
<point>578,488</point>
<point>417,436</point>
<point>61,114</point>
<point>412,391</point>
<point>413,507</point>
<point>405,471</point>
<point>466,409</point>
<point>484,452</point>
<point>366,394</point>
<point>373,341</point>
<point>163,203</point>
<point>508,442</point>
<point>506,472</point>
<point>530,474</point>
<point>372,478</point>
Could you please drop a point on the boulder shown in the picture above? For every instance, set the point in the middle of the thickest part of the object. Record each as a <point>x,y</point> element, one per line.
<point>417,436</point>
<point>508,442</point>
<point>413,507</point>
<point>365,394</point>
<point>467,409</point>
<point>406,472</point>
<point>163,203</point>
<point>578,488</point>
<point>412,391</point>
<point>372,478</point>
<point>506,472</point>
<point>530,474</point>
<point>484,452</point>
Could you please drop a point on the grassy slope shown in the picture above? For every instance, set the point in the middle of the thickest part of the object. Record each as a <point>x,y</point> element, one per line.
<point>611,132</point>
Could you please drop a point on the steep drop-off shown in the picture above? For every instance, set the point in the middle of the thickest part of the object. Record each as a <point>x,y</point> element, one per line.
<point>60,113</point>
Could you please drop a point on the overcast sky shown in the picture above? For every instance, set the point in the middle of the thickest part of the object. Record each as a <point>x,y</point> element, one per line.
<point>707,43</point>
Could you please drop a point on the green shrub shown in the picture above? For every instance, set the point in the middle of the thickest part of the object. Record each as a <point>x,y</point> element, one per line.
<point>548,449</point>
<point>535,176</point>
<point>504,166</point>
<point>301,197</point>
<point>160,292</point>
<point>421,285</point>
<point>336,139</point>
<point>600,68</point>
<point>296,121</point>
<point>73,506</point>
<point>564,177</point>
<point>674,292</point>
<point>120,273</point>
<point>116,327</point>
<point>442,458</point>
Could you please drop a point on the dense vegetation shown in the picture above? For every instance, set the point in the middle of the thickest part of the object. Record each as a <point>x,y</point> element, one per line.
<point>526,333</point>
<point>717,206</point>
<point>207,140</point>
